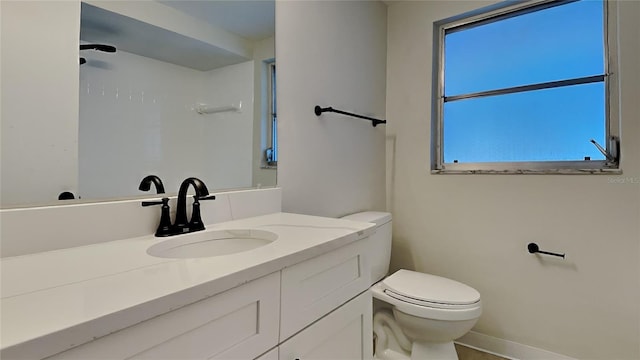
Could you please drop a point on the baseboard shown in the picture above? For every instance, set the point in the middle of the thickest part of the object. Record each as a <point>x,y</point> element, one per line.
<point>507,349</point>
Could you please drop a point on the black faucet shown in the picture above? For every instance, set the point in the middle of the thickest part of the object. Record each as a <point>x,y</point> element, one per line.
<point>181,225</point>
<point>145,184</point>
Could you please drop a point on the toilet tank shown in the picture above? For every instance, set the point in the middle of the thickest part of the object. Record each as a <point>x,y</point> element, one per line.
<point>380,241</point>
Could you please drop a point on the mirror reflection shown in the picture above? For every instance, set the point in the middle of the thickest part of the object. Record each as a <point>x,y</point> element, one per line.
<point>187,92</point>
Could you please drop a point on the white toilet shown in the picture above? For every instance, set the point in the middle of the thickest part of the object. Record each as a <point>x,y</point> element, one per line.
<point>428,311</point>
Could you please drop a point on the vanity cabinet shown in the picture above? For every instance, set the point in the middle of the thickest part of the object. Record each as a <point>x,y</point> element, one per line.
<point>345,333</point>
<point>240,323</point>
<point>316,309</point>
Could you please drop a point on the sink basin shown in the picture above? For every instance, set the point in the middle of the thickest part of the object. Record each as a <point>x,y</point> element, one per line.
<point>212,243</point>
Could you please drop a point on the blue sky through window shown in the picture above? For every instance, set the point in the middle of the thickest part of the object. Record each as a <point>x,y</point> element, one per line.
<point>558,43</point>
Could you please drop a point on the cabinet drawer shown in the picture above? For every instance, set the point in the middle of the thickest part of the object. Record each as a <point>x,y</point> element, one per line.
<point>313,288</point>
<point>271,355</point>
<point>346,333</point>
<point>240,323</point>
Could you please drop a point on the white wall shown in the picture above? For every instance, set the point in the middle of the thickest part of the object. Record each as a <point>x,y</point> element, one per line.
<point>475,228</point>
<point>39,101</point>
<point>331,53</point>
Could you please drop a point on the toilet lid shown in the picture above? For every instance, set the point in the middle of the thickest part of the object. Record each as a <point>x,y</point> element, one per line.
<point>430,288</point>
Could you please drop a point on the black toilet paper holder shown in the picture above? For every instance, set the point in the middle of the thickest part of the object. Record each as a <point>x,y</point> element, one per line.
<point>534,248</point>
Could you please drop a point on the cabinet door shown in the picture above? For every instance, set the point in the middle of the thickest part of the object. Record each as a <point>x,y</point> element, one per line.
<point>240,323</point>
<point>345,333</point>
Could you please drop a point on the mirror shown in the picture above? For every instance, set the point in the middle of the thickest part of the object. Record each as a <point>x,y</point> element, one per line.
<point>186,93</point>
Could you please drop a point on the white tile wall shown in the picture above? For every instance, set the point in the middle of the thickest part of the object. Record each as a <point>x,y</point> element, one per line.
<point>137,118</point>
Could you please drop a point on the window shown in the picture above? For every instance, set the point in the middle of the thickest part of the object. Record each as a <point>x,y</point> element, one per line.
<point>271,152</point>
<point>523,88</point>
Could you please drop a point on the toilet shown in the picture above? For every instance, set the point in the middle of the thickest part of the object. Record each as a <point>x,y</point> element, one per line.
<point>418,315</point>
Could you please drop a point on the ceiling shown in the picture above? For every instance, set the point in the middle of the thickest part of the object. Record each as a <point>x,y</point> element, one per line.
<point>118,24</point>
<point>257,16</point>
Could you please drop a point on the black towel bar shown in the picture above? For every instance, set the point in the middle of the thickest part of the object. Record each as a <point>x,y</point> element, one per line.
<point>319,110</point>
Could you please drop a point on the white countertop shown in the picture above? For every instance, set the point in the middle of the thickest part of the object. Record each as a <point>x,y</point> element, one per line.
<point>55,300</point>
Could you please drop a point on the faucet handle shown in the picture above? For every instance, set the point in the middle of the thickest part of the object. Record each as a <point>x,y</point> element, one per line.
<point>151,203</point>
<point>164,228</point>
<point>196,223</point>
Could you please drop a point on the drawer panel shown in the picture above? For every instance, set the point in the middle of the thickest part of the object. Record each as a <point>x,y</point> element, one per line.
<point>240,323</point>
<point>346,333</point>
<point>271,355</point>
<point>315,287</point>
<point>213,337</point>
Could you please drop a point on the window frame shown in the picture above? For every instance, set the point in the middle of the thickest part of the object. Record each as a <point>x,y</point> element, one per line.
<point>270,123</point>
<point>273,114</point>
<point>499,12</point>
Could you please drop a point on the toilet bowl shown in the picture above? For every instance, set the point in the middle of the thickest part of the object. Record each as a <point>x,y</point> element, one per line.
<point>431,311</point>
<point>427,312</point>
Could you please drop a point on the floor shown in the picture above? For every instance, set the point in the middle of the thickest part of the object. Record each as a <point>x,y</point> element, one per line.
<point>465,353</point>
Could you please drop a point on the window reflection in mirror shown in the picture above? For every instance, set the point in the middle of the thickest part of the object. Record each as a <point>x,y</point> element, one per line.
<point>271,126</point>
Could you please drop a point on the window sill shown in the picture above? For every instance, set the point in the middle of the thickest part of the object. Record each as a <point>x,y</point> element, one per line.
<point>530,172</point>
<point>593,167</point>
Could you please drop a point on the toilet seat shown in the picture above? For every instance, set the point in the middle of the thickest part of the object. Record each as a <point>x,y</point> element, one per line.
<point>430,290</point>
<point>429,296</point>
<point>421,302</point>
